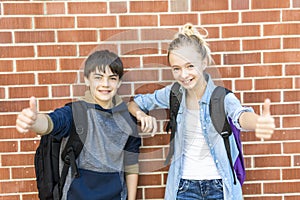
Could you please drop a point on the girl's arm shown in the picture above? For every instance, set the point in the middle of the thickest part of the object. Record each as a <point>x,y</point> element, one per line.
<point>132,182</point>
<point>263,125</point>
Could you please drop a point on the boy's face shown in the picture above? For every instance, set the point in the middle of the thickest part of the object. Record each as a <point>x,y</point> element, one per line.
<point>103,86</point>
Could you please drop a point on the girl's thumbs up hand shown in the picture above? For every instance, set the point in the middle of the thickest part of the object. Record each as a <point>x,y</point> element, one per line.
<point>265,123</point>
<point>27,117</point>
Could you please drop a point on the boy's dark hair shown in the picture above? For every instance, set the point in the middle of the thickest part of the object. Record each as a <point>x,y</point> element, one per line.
<point>100,59</point>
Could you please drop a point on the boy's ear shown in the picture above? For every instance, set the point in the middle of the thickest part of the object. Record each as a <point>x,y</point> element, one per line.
<point>86,81</point>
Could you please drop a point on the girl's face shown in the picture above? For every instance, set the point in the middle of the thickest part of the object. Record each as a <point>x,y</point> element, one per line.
<point>103,86</point>
<point>187,67</point>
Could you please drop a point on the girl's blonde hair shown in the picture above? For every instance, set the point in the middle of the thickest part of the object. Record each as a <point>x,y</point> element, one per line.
<point>190,36</point>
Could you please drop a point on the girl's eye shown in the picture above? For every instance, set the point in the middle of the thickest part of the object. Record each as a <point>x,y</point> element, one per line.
<point>175,69</point>
<point>190,66</point>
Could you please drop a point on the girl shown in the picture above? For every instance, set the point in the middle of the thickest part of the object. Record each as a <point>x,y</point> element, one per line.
<point>200,167</point>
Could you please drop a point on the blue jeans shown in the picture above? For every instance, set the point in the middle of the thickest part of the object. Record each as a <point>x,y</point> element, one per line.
<point>200,190</point>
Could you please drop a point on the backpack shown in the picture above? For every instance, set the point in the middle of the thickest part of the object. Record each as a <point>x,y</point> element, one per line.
<point>50,181</point>
<point>224,127</point>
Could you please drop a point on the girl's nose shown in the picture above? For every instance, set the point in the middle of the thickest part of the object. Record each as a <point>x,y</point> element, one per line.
<point>184,73</point>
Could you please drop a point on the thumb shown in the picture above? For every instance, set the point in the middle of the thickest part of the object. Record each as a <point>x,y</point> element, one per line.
<point>33,104</point>
<point>266,108</point>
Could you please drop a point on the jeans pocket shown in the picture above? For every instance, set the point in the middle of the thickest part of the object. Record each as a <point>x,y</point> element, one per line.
<point>183,186</point>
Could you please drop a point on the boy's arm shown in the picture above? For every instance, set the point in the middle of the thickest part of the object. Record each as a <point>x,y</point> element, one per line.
<point>132,183</point>
<point>148,123</point>
<point>29,119</point>
<point>263,125</point>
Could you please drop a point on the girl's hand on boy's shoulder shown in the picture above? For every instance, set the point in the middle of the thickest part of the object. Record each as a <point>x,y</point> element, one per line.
<point>148,123</point>
<point>265,123</point>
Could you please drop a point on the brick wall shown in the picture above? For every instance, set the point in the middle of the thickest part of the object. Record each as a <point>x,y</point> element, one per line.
<point>255,45</point>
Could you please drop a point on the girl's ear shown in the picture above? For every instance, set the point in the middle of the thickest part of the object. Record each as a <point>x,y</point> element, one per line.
<point>86,81</point>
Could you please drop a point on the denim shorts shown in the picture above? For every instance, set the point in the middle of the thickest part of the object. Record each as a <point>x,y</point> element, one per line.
<point>200,189</point>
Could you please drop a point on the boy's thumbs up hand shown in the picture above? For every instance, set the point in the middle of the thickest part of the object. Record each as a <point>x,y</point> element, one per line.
<point>265,123</point>
<point>27,117</point>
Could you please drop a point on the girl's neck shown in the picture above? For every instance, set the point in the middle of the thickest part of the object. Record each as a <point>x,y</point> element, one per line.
<point>194,95</point>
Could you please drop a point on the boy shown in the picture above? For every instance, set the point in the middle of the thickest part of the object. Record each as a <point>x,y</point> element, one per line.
<point>112,140</point>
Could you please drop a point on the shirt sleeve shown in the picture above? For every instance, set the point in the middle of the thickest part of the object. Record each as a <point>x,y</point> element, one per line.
<point>157,99</point>
<point>234,109</point>
<point>62,121</point>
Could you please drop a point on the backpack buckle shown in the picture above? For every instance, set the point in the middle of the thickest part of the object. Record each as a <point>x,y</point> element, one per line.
<point>225,134</point>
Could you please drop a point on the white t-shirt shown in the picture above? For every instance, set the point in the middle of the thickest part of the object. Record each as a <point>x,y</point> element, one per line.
<point>198,163</point>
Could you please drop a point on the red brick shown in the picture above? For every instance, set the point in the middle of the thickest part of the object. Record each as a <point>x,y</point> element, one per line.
<point>291,147</point>
<point>17,159</point>
<point>138,20</point>
<point>292,69</point>
<point>254,97</point>
<point>265,174</point>
<point>36,65</point>
<point>47,105</point>
<point>291,96</point>
<point>263,70</point>
<point>252,189</point>
<point>16,79</point>
<point>155,61</point>
<point>118,35</point>
<point>53,8</point>
<point>10,197</point>
<point>57,78</point>
<point>18,186</point>
<point>286,109</point>
<point>258,4</point>
<point>154,193</point>
<point>2,93</point>
<point>51,22</point>
<point>96,21</point>
<point>145,75</point>
<point>87,7</point>
<point>148,6</point>
<point>78,90</point>
<point>34,36</point>
<point>151,153</point>
<point>57,50</point>
<point>290,174</point>
<point>290,15</point>
<point>290,122</point>
<point>263,197</point>
<point>243,85</point>
<point>291,43</point>
<point>281,57</point>
<point>261,16</point>
<point>240,31</point>
<point>245,58</point>
<point>25,92</point>
<point>158,34</point>
<point>261,44</point>
<point>71,64</point>
<point>11,133</point>
<point>281,187</point>
<point>296,3</point>
<point>240,5</point>
<point>265,148</point>
<point>272,161</point>
<point>224,45</point>
<point>220,18</point>
<point>118,7</point>
<point>204,5</point>
<point>148,87</point>
<point>15,23</point>
<point>179,6</point>
<point>178,19</point>
<point>131,62</point>
<point>139,48</point>
<point>8,146</point>
<point>23,8</point>
<point>292,197</point>
<point>61,91</point>
<point>281,29</point>
<point>12,106</point>
<point>77,36</point>
<point>5,37</point>
<point>16,51</point>
<point>273,83</point>
<point>85,50</point>
<point>4,173</point>
<point>23,173</point>
<point>6,65</point>
<point>151,179</point>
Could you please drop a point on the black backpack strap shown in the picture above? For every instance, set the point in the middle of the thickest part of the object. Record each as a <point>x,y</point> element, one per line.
<point>219,119</point>
<point>75,142</point>
<point>175,99</point>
